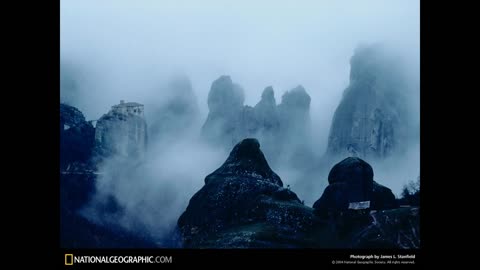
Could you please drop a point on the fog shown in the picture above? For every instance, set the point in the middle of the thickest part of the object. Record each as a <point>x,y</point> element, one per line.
<point>113,50</point>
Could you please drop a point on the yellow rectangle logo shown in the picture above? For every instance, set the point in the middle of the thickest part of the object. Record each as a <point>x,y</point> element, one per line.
<point>68,259</point>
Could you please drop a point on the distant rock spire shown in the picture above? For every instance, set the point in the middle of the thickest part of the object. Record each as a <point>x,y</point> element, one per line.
<point>284,127</point>
<point>295,126</point>
<point>266,110</point>
<point>371,119</point>
<point>226,112</point>
<point>225,96</point>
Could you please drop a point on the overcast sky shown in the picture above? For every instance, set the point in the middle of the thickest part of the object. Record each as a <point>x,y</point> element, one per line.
<point>127,49</point>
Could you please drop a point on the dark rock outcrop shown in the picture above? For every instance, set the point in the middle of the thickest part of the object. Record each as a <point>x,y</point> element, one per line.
<point>243,192</point>
<point>70,116</point>
<point>352,170</point>
<point>246,160</point>
<point>76,137</point>
<point>382,197</point>
<point>350,181</point>
<point>243,205</point>
<point>77,188</point>
<point>372,117</point>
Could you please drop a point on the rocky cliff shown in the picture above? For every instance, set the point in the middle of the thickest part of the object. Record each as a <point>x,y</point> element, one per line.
<point>78,178</point>
<point>282,129</point>
<point>371,120</point>
<point>243,204</point>
<point>225,103</point>
<point>244,191</point>
<point>294,135</point>
<point>121,132</point>
<point>76,137</point>
<point>266,124</point>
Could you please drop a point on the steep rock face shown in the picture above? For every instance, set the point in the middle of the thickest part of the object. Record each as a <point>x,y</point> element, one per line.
<point>225,96</point>
<point>294,109</point>
<point>350,181</point>
<point>283,130</point>
<point>294,135</point>
<point>178,111</point>
<point>78,187</point>
<point>121,132</point>
<point>266,124</point>
<point>243,205</point>
<point>229,120</point>
<point>266,110</point>
<point>244,191</point>
<point>371,120</point>
<point>76,137</point>
<point>225,103</point>
<point>70,116</point>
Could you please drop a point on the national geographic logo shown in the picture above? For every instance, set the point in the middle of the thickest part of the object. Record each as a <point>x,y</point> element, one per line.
<point>70,259</point>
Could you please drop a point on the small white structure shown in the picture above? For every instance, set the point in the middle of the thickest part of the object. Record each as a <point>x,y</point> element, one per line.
<point>128,108</point>
<point>359,205</point>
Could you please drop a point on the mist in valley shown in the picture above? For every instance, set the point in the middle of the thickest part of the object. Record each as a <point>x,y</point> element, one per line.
<point>167,54</point>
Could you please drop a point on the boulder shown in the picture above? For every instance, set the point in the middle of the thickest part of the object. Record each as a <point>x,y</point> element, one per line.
<point>352,170</point>
<point>351,181</point>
